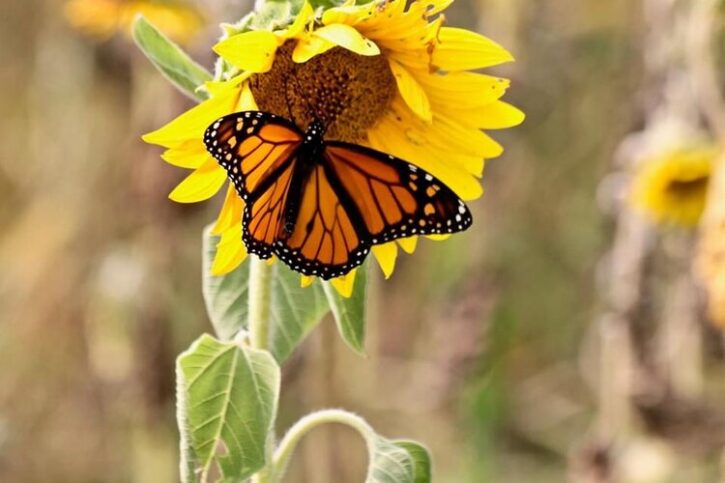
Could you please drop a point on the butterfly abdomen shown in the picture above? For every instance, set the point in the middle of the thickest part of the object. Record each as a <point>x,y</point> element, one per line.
<point>308,156</point>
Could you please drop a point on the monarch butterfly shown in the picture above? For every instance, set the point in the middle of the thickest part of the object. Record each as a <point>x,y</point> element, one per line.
<point>320,205</point>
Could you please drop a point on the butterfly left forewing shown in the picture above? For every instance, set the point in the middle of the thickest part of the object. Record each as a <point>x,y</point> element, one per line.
<point>253,147</point>
<point>396,199</point>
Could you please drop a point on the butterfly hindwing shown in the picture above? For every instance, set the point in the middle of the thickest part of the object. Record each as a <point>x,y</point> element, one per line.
<point>325,240</point>
<point>395,199</point>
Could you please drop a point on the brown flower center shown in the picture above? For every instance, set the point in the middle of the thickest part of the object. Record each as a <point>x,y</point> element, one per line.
<point>346,91</point>
<point>689,188</point>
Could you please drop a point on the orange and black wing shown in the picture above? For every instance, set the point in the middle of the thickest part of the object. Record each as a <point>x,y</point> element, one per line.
<point>259,152</point>
<point>324,240</point>
<point>394,198</point>
<point>254,147</point>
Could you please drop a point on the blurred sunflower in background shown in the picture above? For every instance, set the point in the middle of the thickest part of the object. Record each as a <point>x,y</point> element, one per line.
<point>671,189</point>
<point>380,75</point>
<point>101,19</point>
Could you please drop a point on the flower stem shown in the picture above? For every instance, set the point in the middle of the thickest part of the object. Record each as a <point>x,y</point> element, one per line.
<point>260,281</point>
<point>289,443</point>
<point>260,288</point>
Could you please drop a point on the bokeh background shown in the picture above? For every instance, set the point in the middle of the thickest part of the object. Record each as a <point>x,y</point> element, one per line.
<point>565,337</point>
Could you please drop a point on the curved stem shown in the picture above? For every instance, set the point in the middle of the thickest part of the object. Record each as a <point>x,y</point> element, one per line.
<point>260,281</point>
<point>289,443</point>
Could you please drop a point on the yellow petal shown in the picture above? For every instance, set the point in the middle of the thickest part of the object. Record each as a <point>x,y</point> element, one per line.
<point>246,99</point>
<point>408,244</point>
<point>190,154</point>
<point>391,136</point>
<point>193,123</point>
<point>460,150</point>
<point>412,92</point>
<point>439,237</point>
<point>386,254</point>
<point>497,115</point>
<point>466,139</point>
<point>436,6</point>
<point>216,88</point>
<point>231,212</point>
<point>301,21</point>
<point>461,89</point>
<point>388,19</point>
<point>344,284</point>
<point>310,46</point>
<point>306,281</point>
<point>250,51</point>
<point>347,37</point>
<point>230,251</point>
<point>349,13</point>
<point>200,185</point>
<point>461,49</point>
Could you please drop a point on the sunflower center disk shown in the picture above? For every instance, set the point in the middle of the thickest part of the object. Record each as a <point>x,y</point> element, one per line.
<point>689,188</point>
<point>346,91</point>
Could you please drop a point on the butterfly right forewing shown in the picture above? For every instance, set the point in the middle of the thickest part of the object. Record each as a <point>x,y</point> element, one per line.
<point>396,199</point>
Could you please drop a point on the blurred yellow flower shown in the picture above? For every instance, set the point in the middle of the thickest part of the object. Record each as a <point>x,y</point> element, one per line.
<point>672,188</point>
<point>379,75</point>
<point>103,18</point>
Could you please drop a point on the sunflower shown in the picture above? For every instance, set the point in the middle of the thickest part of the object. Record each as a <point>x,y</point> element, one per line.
<point>671,189</point>
<point>380,75</point>
<point>102,18</point>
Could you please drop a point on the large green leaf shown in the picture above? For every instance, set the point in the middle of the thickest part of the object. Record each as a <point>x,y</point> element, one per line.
<point>294,311</point>
<point>349,312</point>
<point>174,63</point>
<point>398,462</point>
<point>227,403</point>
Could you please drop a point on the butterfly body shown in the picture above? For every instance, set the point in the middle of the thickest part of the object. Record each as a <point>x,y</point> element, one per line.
<point>320,205</point>
<point>308,155</point>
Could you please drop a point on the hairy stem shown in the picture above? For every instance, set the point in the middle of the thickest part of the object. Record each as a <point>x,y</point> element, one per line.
<point>260,281</point>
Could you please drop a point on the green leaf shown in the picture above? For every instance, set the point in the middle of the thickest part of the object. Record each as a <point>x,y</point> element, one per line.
<point>170,60</point>
<point>398,462</point>
<point>294,311</point>
<point>275,14</point>
<point>226,406</point>
<point>349,312</point>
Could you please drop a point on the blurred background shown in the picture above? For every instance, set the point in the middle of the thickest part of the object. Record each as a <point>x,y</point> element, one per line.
<point>569,336</point>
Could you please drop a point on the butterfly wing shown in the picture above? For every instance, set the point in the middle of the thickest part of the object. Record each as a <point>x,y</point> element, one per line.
<point>259,152</point>
<point>325,241</point>
<point>394,198</point>
<point>357,197</point>
<point>254,148</point>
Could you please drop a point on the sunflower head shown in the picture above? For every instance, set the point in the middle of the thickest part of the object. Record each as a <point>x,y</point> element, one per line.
<point>386,75</point>
<point>671,188</point>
